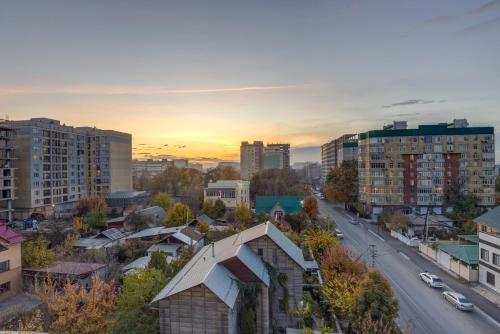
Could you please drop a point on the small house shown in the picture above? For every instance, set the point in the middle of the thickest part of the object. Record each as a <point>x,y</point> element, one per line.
<point>278,206</point>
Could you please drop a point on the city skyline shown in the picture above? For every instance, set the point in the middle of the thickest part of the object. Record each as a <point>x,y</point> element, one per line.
<point>202,78</point>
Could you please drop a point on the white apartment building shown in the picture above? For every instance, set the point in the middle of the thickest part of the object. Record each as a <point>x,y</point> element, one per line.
<point>488,227</point>
<point>233,193</point>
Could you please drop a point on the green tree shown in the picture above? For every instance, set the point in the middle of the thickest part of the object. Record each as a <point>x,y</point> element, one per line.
<point>341,183</point>
<point>163,200</point>
<point>297,220</point>
<point>374,298</point>
<point>133,314</point>
<point>36,253</point>
<point>158,261</point>
<point>277,182</point>
<point>178,214</point>
<point>214,209</point>
<point>88,203</point>
<point>465,207</point>
<point>242,216</point>
<point>398,221</point>
<point>96,219</point>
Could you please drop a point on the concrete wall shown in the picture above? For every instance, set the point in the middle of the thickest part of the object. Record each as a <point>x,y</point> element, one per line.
<point>282,263</point>
<point>196,310</point>
<point>121,166</point>
<point>14,275</point>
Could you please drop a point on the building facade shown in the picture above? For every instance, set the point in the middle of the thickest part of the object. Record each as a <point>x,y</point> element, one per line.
<point>417,167</point>
<point>57,164</point>
<point>10,262</point>
<point>7,182</point>
<point>276,156</point>
<point>251,158</point>
<point>233,193</point>
<point>333,153</point>
<point>488,227</point>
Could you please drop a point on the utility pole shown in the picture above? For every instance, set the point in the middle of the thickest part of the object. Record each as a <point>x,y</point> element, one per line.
<point>373,255</point>
<point>426,225</point>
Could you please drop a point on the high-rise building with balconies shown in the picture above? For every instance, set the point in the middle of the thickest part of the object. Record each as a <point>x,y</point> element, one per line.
<point>7,182</point>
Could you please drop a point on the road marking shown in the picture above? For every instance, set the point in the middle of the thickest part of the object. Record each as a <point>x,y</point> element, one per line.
<point>404,255</point>
<point>375,234</point>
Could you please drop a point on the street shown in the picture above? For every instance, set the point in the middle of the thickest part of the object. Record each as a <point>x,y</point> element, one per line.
<point>420,305</point>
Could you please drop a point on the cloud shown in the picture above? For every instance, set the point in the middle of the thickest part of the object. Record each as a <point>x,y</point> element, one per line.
<point>493,24</point>
<point>407,114</point>
<point>492,5</point>
<point>412,102</point>
<point>131,90</point>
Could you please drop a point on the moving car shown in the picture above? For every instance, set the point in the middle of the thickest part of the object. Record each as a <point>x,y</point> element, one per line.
<point>339,234</point>
<point>354,221</point>
<point>432,280</point>
<point>458,300</point>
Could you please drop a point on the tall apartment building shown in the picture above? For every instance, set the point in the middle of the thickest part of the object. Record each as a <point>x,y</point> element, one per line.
<point>416,167</point>
<point>251,158</point>
<point>334,152</point>
<point>277,156</point>
<point>56,164</point>
<point>7,184</point>
<point>150,167</point>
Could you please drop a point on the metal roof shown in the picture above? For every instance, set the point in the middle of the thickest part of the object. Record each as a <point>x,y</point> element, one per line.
<point>139,263</point>
<point>166,248</point>
<point>290,204</point>
<point>491,218</point>
<point>125,194</point>
<point>466,253</point>
<point>470,237</point>
<point>154,231</point>
<point>9,235</point>
<point>91,243</point>
<point>112,234</point>
<point>205,268</point>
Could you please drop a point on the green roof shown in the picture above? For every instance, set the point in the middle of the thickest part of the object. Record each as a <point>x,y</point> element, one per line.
<point>470,237</point>
<point>290,204</point>
<point>491,218</point>
<point>465,253</point>
<point>428,130</point>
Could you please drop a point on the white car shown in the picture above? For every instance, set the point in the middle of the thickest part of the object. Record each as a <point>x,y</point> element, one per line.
<point>458,300</point>
<point>354,221</point>
<point>339,234</point>
<point>432,280</point>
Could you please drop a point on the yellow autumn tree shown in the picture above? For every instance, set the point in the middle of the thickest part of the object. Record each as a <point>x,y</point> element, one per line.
<point>319,240</point>
<point>36,253</point>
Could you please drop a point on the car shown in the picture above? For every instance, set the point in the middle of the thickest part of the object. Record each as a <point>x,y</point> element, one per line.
<point>339,234</point>
<point>432,280</point>
<point>458,300</point>
<point>354,221</point>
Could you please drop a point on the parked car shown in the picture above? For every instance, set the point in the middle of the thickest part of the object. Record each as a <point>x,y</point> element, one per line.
<point>432,280</point>
<point>339,234</point>
<point>354,221</point>
<point>458,300</point>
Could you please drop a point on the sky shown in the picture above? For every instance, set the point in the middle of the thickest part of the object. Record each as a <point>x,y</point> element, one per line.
<point>195,78</point>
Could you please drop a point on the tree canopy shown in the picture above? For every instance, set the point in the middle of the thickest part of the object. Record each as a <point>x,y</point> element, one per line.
<point>310,206</point>
<point>36,253</point>
<point>277,182</point>
<point>221,173</point>
<point>341,183</point>
<point>242,216</point>
<point>214,209</point>
<point>163,200</point>
<point>178,214</point>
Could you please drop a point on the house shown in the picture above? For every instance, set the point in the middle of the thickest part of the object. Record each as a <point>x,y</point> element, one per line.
<point>121,200</point>
<point>105,239</point>
<point>232,193</point>
<point>153,233</point>
<point>206,295</point>
<point>154,214</point>
<point>187,236</point>
<point>202,219</point>
<point>10,262</point>
<point>76,272</point>
<point>278,206</point>
<point>488,227</point>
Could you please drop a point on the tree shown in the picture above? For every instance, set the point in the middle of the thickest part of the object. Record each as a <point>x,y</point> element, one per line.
<point>137,221</point>
<point>163,200</point>
<point>341,183</point>
<point>214,209</point>
<point>374,298</point>
<point>497,184</point>
<point>311,206</point>
<point>242,216</point>
<point>202,227</point>
<point>75,309</point>
<point>79,225</point>
<point>319,240</point>
<point>178,214</point>
<point>96,219</point>
<point>277,182</point>
<point>88,203</point>
<point>297,220</point>
<point>398,221</point>
<point>36,253</point>
<point>221,173</point>
<point>158,261</point>
<point>133,314</point>
<point>465,207</point>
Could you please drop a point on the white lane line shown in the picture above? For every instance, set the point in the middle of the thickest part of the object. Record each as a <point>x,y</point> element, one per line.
<point>404,255</point>
<point>488,318</point>
<point>375,234</point>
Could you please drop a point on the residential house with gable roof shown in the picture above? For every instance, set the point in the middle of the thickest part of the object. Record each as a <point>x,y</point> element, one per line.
<point>10,262</point>
<point>277,206</point>
<point>206,295</point>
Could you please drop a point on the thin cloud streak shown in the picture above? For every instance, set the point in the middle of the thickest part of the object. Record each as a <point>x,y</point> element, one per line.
<point>130,90</point>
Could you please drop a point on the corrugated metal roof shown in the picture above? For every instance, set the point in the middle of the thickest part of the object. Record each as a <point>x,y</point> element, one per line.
<point>91,243</point>
<point>166,248</point>
<point>139,263</point>
<point>112,234</point>
<point>290,204</point>
<point>491,218</point>
<point>204,267</point>
<point>154,231</point>
<point>466,253</point>
<point>125,194</point>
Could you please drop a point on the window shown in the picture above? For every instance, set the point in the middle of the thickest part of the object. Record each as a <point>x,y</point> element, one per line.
<point>496,259</point>
<point>5,287</point>
<point>490,278</point>
<point>4,266</point>
<point>260,252</point>
<point>485,255</point>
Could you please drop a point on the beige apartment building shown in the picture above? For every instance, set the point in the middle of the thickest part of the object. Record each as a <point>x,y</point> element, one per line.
<point>10,262</point>
<point>233,193</point>
<point>56,164</point>
<point>251,158</point>
<point>334,152</point>
<point>414,168</point>
<point>7,180</point>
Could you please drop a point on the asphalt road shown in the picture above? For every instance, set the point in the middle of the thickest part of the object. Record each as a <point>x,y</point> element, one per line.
<point>421,306</point>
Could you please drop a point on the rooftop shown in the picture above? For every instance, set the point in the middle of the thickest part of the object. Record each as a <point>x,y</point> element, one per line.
<point>290,204</point>
<point>9,235</point>
<point>491,218</point>
<point>70,268</point>
<point>226,184</point>
<point>126,194</point>
<point>466,253</point>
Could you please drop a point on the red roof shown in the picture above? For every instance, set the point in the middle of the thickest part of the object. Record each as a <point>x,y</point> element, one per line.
<point>70,268</point>
<point>9,235</point>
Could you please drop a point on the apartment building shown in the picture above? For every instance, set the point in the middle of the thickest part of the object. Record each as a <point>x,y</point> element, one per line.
<point>416,167</point>
<point>57,164</point>
<point>276,156</point>
<point>7,181</point>
<point>233,164</point>
<point>251,158</point>
<point>488,227</point>
<point>334,152</point>
<point>10,262</point>
<point>150,167</point>
<point>233,193</point>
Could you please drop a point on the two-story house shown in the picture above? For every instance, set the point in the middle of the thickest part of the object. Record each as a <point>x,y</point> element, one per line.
<point>10,262</point>
<point>488,227</point>
<point>206,295</point>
